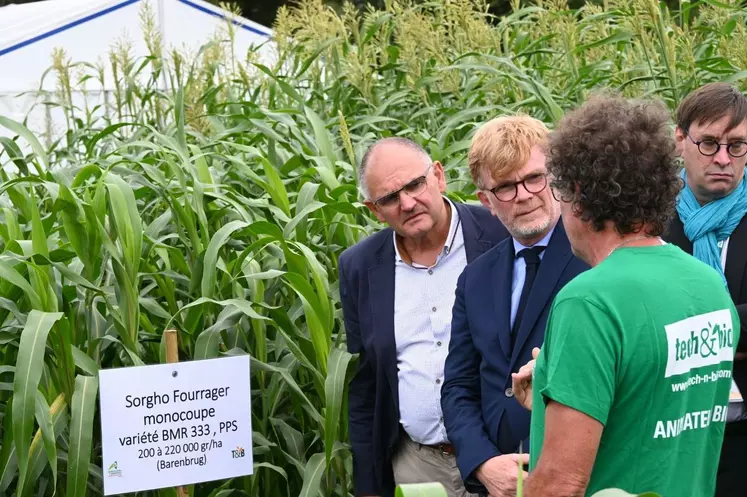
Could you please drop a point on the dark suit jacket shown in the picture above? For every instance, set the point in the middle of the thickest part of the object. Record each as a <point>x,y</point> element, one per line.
<point>482,417</point>
<point>736,279</point>
<point>367,295</point>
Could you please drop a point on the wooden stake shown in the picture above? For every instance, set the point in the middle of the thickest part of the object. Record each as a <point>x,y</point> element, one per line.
<point>172,346</point>
<point>172,356</point>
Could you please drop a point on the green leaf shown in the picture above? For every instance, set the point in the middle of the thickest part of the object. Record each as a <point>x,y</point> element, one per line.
<point>338,375</point>
<point>315,312</point>
<point>29,367</point>
<point>44,416</point>
<point>38,236</point>
<point>274,468</point>
<point>203,170</point>
<point>287,89</point>
<point>85,363</point>
<point>420,490</point>
<point>207,345</point>
<point>27,135</point>
<point>293,438</point>
<point>210,265</point>
<point>312,476</point>
<point>126,218</point>
<point>11,222</point>
<point>301,216</point>
<point>618,36</point>
<point>82,410</point>
<point>275,187</point>
<point>10,274</point>
<point>15,154</point>
<point>181,136</point>
<point>311,58</point>
<point>321,136</point>
<point>8,457</point>
<point>292,384</point>
<point>240,304</point>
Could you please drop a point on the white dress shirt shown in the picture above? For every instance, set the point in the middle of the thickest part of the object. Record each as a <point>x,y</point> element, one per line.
<point>520,271</point>
<point>423,298</point>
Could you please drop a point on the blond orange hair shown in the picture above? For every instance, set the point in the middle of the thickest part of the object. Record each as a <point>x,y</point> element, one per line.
<point>503,145</point>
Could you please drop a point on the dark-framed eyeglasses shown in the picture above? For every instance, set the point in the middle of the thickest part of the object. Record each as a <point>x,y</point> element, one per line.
<point>710,147</point>
<point>534,183</point>
<point>412,189</point>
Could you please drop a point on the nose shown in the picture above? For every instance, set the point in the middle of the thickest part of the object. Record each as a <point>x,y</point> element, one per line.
<point>522,193</point>
<point>406,202</point>
<point>722,157</point>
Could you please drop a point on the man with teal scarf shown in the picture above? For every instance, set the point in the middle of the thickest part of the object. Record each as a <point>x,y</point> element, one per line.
<point>711,137</point>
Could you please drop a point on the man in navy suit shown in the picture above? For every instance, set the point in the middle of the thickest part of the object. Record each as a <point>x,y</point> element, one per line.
<point>502,302</point>
<point>397,291</point>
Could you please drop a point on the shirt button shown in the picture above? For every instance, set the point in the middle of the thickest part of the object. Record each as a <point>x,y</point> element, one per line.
<point>433,309</point>
<point>430,271</point>
<point>442,419</point>
<point>509,392</point>
<point>438,381</point>
<point>438,343</point>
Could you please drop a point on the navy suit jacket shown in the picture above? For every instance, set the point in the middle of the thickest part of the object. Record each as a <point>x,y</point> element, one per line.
<point>482,417</point>
<point>367,296</point>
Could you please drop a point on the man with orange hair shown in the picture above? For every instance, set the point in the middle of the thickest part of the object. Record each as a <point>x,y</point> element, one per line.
<point>502,302</point>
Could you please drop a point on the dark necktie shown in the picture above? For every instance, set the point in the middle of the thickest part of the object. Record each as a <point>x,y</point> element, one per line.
<point>532,259</point>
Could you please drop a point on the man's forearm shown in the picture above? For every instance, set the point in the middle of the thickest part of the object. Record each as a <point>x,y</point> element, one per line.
<point>547,483</point>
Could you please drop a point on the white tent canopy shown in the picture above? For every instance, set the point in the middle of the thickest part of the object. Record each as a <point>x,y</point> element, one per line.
<point>87,30</point>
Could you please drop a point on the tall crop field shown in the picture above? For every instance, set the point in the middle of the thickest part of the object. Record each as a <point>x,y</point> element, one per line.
<point>219,209</point>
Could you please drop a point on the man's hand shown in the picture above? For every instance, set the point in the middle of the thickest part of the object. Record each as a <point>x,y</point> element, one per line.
<point>522,381</point>
<point>500,473</point>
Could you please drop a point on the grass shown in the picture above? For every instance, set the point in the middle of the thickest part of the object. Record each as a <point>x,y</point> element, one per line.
<point>220,208</point>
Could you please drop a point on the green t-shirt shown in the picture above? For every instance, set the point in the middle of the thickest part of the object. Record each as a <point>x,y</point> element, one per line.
<point>644,343</point>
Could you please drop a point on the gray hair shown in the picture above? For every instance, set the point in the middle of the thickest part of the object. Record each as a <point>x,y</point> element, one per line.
<point>393,140</point>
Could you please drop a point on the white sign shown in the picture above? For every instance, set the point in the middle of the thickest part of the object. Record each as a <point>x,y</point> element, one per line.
<point>175,424</point>
<point>699,341</point>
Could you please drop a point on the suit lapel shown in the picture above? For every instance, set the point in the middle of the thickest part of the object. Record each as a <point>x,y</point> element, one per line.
<point>381,288</point>
<point>556,258</point>
<point>736,259</point>
<point>474,245</point>
<point>501,281</point>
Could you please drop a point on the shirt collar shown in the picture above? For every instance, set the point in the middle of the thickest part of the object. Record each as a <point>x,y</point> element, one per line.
<point>449,237</point>
<point>542,243</point>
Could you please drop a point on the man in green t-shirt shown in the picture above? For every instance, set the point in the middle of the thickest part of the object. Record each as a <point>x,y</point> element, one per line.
<point>631,387</point>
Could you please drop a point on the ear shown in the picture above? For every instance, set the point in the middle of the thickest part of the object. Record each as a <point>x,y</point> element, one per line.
<point>679,140</point>
<point>484,200</point>
<point>372,207</point>
<point>438,171</point>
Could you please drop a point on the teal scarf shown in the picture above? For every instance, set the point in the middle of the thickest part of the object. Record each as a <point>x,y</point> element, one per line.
<point>706,225</point>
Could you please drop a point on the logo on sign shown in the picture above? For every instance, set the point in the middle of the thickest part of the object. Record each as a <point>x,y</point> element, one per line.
<point>114,470</point>
<point>699,341</point>
<point>239,452</point>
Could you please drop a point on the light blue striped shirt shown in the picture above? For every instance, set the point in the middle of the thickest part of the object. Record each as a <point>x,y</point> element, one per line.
<point>423,299</point>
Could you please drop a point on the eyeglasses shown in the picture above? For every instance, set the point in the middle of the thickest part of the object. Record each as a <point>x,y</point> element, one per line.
<point>709,147</point>
<point>534,183</point>
<point>412,189</point>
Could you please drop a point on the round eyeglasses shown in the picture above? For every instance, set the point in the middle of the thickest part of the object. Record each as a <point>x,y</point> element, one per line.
<point>710,147</point>
<point>534,183</point>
